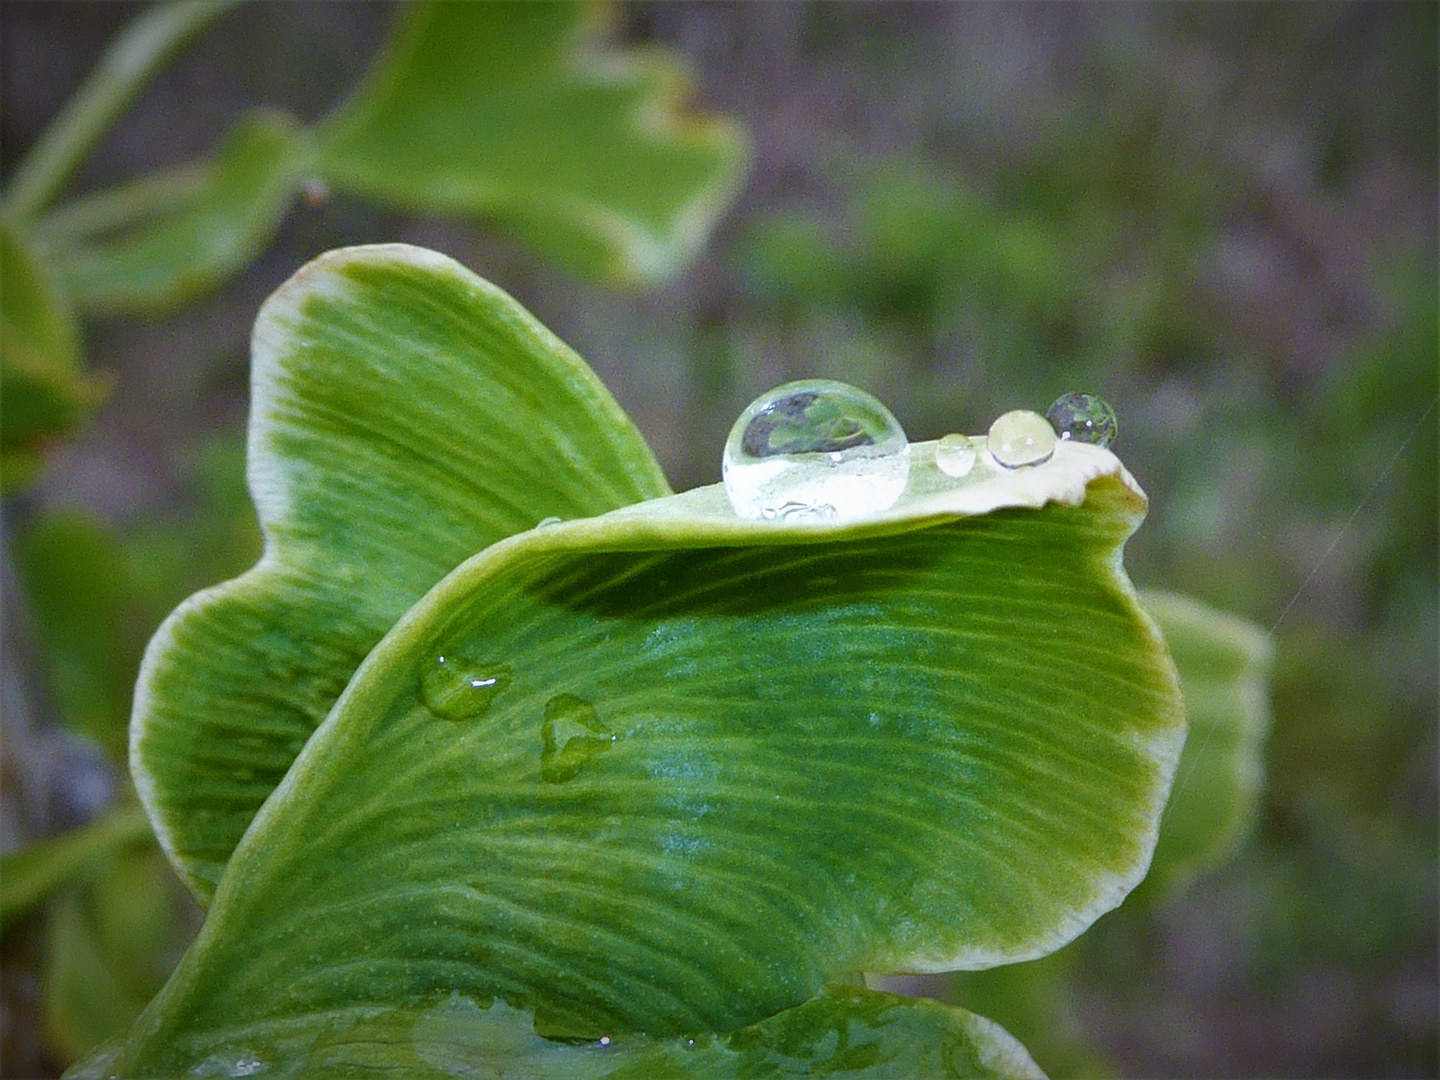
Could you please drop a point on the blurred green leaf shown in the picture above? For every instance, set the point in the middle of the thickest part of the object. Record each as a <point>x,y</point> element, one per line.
<point>43,391</point>
<point>513,111</point>
<point>33,874</point>
<point>405,415</point>
<point>126,66</point>
<point>74,575</point>
<point>222,222</point>
<point>112,941</point>
<point>1224,663</point>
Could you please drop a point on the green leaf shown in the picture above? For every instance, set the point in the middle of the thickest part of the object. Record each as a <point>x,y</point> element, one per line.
<point>1224,663</point>
<point>937,738</point>
<point>405,415</point>
<point>512,111</point>
<point>1224,666</point>
<point>78,593</point>
<point>126,66</point>
<point>112,942</point>
<point>43,392</point>
<point>226,217</point>
<point>843,1032</point>
<point>35,873</point>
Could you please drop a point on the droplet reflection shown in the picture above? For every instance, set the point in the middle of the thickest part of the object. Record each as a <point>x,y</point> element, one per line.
<point>815,449</point>
<point>954,455</point>
<point>1083,418</point>
<point>1020,438</point>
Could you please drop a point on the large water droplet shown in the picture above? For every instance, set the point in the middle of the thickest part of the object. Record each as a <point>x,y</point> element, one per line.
<point>1083,418</point>
<point>815,449</point>
<point>1020,438</point>
<point>572,734</point>
<point>955,455</point>
<point>458,688</point>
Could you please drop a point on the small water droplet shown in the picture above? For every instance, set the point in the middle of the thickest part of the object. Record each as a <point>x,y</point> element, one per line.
<point>815,449</point>
<point>954,455</point>
<point>545,523</point>
<point>247,1067</point>
<point>1020,438</point>
<point>572,734</point>
<point>1083,418</point>
<point>458,688</point>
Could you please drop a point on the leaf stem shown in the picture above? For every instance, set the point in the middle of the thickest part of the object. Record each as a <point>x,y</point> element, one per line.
<point>124,68</point>
<point>120,206</point>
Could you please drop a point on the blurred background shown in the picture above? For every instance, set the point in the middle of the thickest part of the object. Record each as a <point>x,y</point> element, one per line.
<point>1222,218</point>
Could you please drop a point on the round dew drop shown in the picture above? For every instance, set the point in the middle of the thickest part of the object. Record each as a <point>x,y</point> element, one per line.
<point>954,456</point>
<point>815,450</point>
<point>1021,438</point>
<point>456,688</point>
<point>1083,418</point>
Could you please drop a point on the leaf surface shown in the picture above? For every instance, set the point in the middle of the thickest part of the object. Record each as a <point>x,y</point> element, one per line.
<point>842,1032</point>
<point>707,765</point>
<point>405,414</point>
<point>511,111</point>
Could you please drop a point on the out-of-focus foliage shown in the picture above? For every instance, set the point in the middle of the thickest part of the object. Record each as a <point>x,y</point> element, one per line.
<point>511,111</point>
<point>1230,215</point>
<point>45,391</point>
<point>187,231</point>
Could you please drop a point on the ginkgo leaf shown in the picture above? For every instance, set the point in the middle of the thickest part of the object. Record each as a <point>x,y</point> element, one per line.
<point>513,112</point>
<point>215,224</point>
<point>44,390</point>
<point>406,414</point>
<point>1224,664</point>
<point>668,770</point>
<point>844,1032</point>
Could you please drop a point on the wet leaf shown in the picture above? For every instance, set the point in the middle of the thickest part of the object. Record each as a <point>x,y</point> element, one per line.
<point>842,1032</point>
<point>661,770</point>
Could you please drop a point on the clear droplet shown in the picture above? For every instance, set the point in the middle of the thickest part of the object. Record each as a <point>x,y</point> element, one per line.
<point>1083,418</point>
<point>457,688</point>
<point>247,1067</point>
<point>1021,438</point>
<point>545,523</point>
<point>572,734</point>
<point>954,455</point>
<point>815,449</point>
